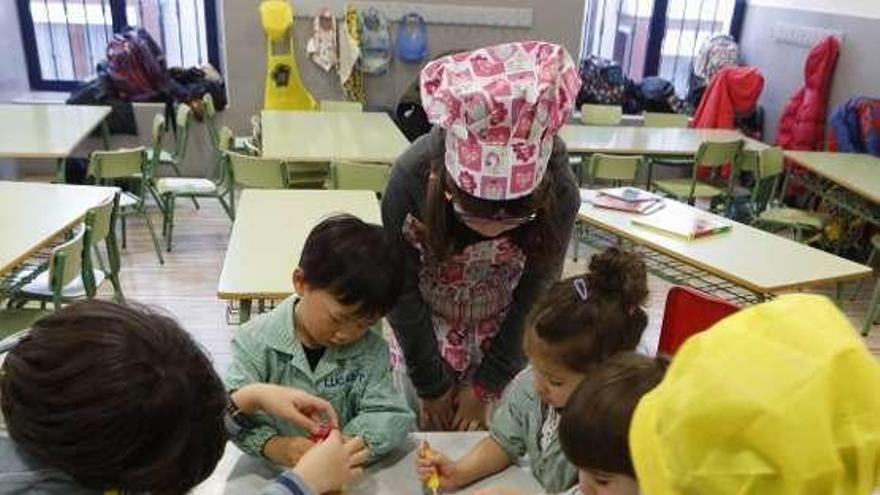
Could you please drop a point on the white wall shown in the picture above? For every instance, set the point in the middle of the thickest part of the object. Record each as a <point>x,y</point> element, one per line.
<point>859,8</point>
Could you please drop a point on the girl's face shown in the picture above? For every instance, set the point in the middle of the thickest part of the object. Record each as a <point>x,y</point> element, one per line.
<point>554,382</point>
<point>592,482</point>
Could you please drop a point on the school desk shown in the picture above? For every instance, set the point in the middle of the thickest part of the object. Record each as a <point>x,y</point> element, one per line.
<point>270,229</point>
<point>744,264</point>
<point>857,177</point>
<point>48,131</point>
<point>327,136</point>
<point>33,215</point>
<point>653,141</point>
<point>238,473</point>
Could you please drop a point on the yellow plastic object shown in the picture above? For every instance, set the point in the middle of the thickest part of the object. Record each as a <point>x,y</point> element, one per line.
<point>433,481</point>
<point>284,87</point>
<point>780,398</point>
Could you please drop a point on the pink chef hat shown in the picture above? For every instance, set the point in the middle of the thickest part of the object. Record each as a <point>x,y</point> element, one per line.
<point>501,107</point>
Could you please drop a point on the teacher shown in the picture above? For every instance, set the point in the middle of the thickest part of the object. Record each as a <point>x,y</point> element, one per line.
<point>482,208</point>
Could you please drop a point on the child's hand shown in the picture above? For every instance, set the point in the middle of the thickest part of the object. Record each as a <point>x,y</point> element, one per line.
<point>287,451</point>
<point>429,461</point>
<point>288,403</point>
<point>470,415</point>
<point>358,449</point>
<point>331,464</point>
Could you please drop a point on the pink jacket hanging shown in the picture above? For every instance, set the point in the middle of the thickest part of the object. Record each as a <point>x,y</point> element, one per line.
<point>802,124</point>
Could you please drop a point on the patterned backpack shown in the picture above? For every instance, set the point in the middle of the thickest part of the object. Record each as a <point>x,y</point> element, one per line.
<point>136,65</point>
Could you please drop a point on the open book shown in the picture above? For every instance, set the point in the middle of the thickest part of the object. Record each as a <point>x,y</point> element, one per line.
<point>685,223</point>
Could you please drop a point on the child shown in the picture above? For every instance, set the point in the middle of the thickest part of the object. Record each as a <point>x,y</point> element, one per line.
<point>594,428</point>
<point>320,340</point>
<point>102,397</point>
<point>579,322</point>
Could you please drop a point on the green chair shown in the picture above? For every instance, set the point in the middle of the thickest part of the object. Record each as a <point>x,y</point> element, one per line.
<point>340,106</point>
<point>216,187</point>
<point>109,166</point>
<point>173,159</point>
<point>154,157</point>
<point>712,155</point>
<point>252,172</point>
<point>100,226</point>
<point>360,176</point>
<point>307,175</point>
<point>617,169</point>
<point>607,115</point>
<point>250,145</point>
<point>770,213</point>
<point>657,119</point>
<point>63,281</point>
<point>874,305</point>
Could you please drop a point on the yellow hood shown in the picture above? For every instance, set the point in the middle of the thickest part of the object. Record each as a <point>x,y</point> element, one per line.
<point>782,398</point>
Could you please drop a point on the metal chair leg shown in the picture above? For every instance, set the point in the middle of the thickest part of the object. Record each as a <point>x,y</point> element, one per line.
<point>169,220</point>
<point>156,244</point>
<point>873,310</point>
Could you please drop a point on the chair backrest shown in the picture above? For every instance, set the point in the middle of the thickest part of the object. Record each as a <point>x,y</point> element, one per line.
<point>601,114</point>
<point>717,153</point>
<point>104,165</point>
<point>224,138</point>
<point>360,176</point>
<point>210,114</point>
<point>340,106</point>
<point>308,175</point>
<point>657,119</point>
<point>158,132</point>
<point>688,312</point>
<point>255,172</point>
<point>65,263</point>
<point>182,119</point>
<point>99,220</point>
<point>614,167</point>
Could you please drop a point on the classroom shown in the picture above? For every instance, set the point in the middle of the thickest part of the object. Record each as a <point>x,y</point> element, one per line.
<point>293,247</point>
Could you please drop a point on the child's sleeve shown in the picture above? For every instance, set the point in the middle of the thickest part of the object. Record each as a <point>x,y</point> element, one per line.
<point>249,366</point>
<point>510,423</point>
<point>382,418</point>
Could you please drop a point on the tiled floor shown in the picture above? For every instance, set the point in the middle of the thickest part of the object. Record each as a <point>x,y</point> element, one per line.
<point>186,285</point>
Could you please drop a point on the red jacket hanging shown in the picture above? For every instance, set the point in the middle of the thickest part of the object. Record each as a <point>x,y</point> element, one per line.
<point>802,124</point>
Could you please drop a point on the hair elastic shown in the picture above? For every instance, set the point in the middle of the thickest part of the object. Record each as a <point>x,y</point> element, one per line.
<point>580,287</point>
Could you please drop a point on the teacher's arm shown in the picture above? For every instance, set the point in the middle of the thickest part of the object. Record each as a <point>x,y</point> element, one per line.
<point>411,316</point>
<point>504,357</point>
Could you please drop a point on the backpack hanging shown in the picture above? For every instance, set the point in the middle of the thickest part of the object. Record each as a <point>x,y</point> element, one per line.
<point>322,48</point>
<point>412,38</point>
<point>375,42</point>
<point>136,65</point>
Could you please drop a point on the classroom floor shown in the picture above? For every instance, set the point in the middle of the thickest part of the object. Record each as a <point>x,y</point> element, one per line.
<point>186,285</point>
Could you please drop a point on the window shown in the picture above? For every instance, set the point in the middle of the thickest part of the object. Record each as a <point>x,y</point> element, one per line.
<point>65,39</point>
<point>657,37</point>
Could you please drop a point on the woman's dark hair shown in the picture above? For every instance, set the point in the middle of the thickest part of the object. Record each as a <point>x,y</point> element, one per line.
<point>583,320</point>
<point>594,429</point>
<point>539,239</point>
<point>117,397</point>
<point>355,262</point>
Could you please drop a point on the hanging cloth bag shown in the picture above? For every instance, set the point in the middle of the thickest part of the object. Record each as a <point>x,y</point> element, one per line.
<point>322,45</point>
<point>375,42</point>
<point>412,38</point>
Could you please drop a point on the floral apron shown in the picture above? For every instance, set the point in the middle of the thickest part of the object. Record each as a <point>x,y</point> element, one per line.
<point>469,294</point>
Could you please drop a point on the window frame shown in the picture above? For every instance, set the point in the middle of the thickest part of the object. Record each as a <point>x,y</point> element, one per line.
<point>119,20</point>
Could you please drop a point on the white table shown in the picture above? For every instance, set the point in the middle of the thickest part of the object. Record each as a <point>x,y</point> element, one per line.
<point>33,214</point>
<point>270,229</point>
<point>328,136</point>
<point>654,141</point>
<point>756,260</point>
<point>48,131</point>
<point>240,474</point>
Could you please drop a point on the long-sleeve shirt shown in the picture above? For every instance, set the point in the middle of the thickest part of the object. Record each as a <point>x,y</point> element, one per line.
<point>411,318</point>
<point>356,379</point>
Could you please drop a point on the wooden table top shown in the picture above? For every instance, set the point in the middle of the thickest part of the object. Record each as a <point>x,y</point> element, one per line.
<point>669,141</point>
<point>46,131</point>
<point>328,136</point>
<point>759,261</point>
<point>270,229</point>
<point>33,214</point>
<point>860,173</point>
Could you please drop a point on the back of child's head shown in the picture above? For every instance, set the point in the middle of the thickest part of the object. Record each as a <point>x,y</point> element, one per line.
<point>583,320</point>
<point>355,262</point>
<point>594,429</point>
<point>117,397</point>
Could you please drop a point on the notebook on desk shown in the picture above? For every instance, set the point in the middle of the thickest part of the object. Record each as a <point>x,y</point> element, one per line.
<point>636,201</point>
<point>685,224</point>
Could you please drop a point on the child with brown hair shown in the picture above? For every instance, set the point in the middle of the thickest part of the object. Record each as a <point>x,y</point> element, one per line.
<point>581,321</point>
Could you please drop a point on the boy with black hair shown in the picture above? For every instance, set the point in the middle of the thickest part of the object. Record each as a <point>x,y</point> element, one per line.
<point>326,340</point>
<point>105,398</point>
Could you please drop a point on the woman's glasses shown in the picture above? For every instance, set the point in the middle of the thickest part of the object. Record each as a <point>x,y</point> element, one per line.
<point>464,216</point>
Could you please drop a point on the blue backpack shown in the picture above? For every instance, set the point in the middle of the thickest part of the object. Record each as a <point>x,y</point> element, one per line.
<point>412,38</point>
<point>376,46</point>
